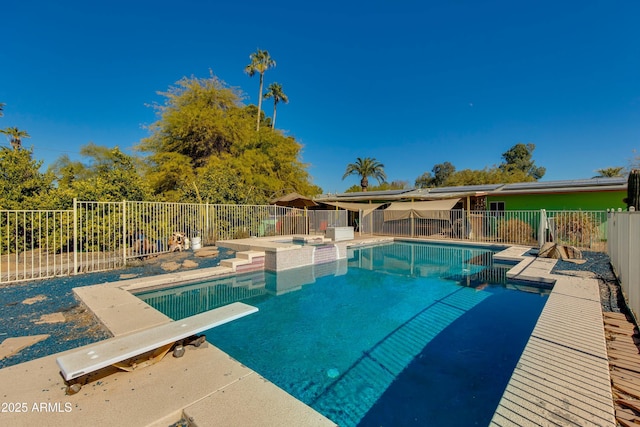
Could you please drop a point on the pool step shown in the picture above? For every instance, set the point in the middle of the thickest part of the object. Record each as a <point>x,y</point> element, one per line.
<point>245,261</point>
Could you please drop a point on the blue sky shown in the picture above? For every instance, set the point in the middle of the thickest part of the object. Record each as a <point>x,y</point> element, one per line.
<point>410,83</point>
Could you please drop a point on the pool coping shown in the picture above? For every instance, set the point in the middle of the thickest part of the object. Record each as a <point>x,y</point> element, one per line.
<point>570,329</point>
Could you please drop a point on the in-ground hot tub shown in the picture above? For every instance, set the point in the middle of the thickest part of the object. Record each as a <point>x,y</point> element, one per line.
<point>284,253</point>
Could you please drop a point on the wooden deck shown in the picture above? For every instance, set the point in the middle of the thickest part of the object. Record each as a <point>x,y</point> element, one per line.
<point>624,365</point>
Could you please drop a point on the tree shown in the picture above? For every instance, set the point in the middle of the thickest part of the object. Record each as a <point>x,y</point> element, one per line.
<point>610,172</point>
<point>21,182</point>
<point>202,123</point>
<point>108,175</point>
<point>15,136</point>
<point>442,172</point>
<point>261,61</point>
<point>200,118</point>
<point>385,186</point>
<point>424,181</point>
<point>518,158</point>
<point>275,91</point>
<point>365,168</point>
<point>2,104</point>
<point>493,175</point>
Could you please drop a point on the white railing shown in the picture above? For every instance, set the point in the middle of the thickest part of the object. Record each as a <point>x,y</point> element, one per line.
<point>584,229</point>
<point>99,236</point>
<point>623,246</point>
<point>35,244</point>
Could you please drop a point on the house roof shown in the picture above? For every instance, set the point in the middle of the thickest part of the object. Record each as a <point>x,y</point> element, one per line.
<point>536,187</point>
<point>578,185</point>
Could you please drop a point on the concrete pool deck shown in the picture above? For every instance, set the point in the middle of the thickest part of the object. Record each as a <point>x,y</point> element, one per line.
<point>562,377</point>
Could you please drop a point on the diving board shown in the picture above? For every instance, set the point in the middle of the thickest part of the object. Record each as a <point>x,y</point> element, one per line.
<point>115,350</point>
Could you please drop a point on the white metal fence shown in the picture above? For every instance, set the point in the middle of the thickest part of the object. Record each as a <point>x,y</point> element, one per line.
<point>35,244</point>
<point>98,236</point>
<point>623,247</point>
<point>584,229</point>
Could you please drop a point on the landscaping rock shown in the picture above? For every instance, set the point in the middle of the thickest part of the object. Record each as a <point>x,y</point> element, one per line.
<point>187,263</point>
<point>50,318</point>
<point>12,346</point>
<point>211,251</point>
<point>34,300</point>
<point>170,266</point>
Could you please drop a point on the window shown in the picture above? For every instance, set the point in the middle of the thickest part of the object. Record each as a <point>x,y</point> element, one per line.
<point>497,208</point>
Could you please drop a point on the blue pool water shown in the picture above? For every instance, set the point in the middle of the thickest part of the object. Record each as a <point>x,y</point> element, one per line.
<point>400,334</point>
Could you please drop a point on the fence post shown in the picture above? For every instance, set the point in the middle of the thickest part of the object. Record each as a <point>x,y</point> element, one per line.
<point>75,236</point>
<point>124,232</point>
<point>206,232</point>
<point>542,228</point>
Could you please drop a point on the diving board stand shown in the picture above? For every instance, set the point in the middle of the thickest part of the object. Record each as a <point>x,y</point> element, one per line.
<point>115,351</point>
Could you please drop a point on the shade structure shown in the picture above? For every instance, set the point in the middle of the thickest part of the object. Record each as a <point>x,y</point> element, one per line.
<point>294,200</point>
<point>366,208</point>
<point>432,209</point>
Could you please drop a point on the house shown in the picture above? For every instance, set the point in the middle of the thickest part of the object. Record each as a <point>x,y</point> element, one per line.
<point>582,194</point>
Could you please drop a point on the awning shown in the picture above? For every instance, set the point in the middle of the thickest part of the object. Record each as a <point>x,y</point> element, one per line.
<point>432,209</point>
<point>366,208</point>
<point>294,200</point>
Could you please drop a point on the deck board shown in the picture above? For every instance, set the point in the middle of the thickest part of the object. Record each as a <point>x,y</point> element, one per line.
<point>562,377</point>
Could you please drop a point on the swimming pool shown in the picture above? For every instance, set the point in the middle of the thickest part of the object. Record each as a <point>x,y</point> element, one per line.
<point>398,334</point>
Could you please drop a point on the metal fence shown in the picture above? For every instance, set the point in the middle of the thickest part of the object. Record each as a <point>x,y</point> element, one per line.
<point>35,244</point>
<point>623,247</point>
<point>584,229</point>
<point>99,236</point>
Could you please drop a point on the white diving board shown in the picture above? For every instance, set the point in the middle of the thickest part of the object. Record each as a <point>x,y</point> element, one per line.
<point>118,349</point>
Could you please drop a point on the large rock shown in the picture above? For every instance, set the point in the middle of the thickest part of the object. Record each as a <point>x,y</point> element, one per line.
<point>555,251</point>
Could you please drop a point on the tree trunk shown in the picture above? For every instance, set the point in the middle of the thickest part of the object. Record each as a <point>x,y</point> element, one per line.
<point>260,101</point>
<point>273,125</point>
<point>364,183</point>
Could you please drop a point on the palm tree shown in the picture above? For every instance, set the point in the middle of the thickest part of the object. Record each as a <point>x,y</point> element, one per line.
<point>275,91</point>
<point>260,62</point>
<point>15,136</point>
<point>365,168</point>
<point>610,172</point>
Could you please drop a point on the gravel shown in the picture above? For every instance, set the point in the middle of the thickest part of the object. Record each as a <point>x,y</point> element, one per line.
<point>597,265</point>
<point>23,304</point>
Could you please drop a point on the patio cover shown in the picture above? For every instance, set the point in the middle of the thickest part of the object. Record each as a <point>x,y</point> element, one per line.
<point>366,208</point>
<point>432,209</point>
<point>294,200</point>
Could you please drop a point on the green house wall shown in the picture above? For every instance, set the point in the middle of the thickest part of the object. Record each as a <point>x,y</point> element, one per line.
<point>567,201</point>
